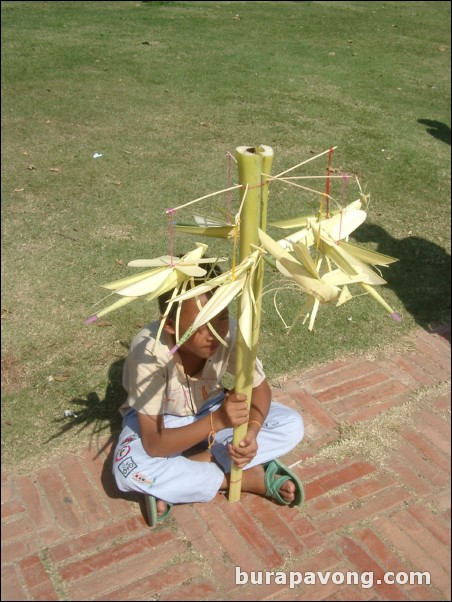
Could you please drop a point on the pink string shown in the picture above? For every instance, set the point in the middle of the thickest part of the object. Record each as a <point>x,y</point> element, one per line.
<point>344,185</point>
<point>229,185</point>
<point>171,212</point>
<point>344,188</point>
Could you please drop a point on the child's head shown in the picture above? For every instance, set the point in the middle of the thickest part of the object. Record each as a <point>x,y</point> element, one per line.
<point>203,343</point>
<point>212,270</point>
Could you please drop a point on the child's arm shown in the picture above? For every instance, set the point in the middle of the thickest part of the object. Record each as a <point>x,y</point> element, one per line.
<point>159,441</point>
<point>242,454</point>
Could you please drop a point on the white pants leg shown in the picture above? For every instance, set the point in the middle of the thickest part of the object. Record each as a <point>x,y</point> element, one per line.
<point>179,480</point>
<point>175,479</point>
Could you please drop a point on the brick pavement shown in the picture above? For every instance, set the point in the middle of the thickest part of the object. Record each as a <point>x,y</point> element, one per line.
<point>68,534</point>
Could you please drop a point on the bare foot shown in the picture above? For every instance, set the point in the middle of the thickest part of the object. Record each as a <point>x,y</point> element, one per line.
<point>253,482</point>
<point>161,507</point>
<point>287,491</point>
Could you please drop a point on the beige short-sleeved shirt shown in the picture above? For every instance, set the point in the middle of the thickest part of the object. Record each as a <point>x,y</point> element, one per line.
<point>156,383</point>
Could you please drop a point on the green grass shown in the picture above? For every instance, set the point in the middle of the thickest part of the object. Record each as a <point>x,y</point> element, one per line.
<point>164,90</point>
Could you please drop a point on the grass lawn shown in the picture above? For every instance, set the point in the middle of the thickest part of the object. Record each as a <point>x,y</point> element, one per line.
<point>163,91</point>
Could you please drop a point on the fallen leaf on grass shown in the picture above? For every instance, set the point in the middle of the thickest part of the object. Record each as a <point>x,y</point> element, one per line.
<point>120,261</point>
<point>19,189</point>
<point>55,169</point>
<point>61,377</point>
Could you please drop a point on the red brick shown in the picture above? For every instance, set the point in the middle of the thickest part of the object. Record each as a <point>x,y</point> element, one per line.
<point>396,373</point>
<point>11,508</point>
<point>359,384</point>
<point>136,568</point>
<point>427,449</point>
<point>437,361</point>
<point>436,429</point>
<point>363,562</point>
<point>367,509</point>
<point>423,538</point>
<point>349,593</point>
<point>151,586</point>
<point>442,402</point>
<point>12,587</point>
<point>205,544</point>
<point>227,537</point>
<point>37,508</point>
<point>305,530</point>
<point>199,590</point>
<point>274,523</point>
<point>354,494</point>
<point>374,409</point>
<point>424,593</point>
<point>59,498</point>
<point>408,477</point>
<point>11,552</point>
<point>318,467</point>
<point>420,560</point>
<point>17,529</point>
<point>433,370</point>
<point>37,579</point>
<point>96,539</point>
<point>420,465</point>
<point>99,468</point>
<point>412,368</point>
<point>252,534</point>
<point>83,491</point>
<point>379,550</point>
<point>313,408</point>
<point>114,554</point>
<point>439,528</point>
<point>376,394</point>
<point>351,371</point>
<point>341,476</point>
<point>8,492</point>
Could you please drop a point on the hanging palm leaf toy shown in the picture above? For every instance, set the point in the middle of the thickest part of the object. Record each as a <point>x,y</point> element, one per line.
<point>316,260</point>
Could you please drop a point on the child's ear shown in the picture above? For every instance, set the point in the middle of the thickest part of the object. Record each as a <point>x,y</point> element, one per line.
<point>168,326</point>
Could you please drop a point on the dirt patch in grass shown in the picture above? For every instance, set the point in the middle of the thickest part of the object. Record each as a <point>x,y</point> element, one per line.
<point>12,373</point>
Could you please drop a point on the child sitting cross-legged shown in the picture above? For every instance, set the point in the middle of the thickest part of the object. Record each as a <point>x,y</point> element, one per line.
<point>176,442</point>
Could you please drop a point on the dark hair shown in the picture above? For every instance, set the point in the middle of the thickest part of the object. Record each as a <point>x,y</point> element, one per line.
<point>212,270</point>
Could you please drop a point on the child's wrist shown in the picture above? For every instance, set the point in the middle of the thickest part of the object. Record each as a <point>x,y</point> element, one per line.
<point>254,425</point>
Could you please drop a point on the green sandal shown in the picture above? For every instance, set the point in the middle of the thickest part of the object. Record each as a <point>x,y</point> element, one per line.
<point>272,485</point>
<point>151,507</point>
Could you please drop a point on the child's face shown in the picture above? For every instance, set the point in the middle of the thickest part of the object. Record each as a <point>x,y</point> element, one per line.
<point>203,342</point>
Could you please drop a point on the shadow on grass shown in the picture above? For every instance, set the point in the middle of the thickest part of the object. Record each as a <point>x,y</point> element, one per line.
<point>438,130</point>
<point>98,414</point>
<point>421,277</point>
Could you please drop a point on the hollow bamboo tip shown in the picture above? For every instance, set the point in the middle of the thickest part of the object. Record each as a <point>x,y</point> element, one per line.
<point>261,149</point>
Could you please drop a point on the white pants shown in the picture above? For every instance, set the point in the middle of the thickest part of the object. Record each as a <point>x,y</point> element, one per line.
<point>177,479</point>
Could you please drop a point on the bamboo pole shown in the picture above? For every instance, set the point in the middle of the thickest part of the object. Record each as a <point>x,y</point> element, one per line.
<point>252,163</point>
